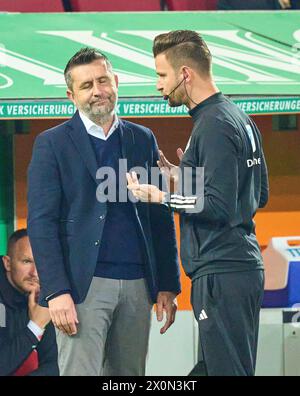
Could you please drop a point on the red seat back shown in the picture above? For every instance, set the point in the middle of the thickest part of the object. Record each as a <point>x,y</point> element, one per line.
<point>115,5</point>
<point>211,5</point>
<point>31,6</point>
<point>189,5</point>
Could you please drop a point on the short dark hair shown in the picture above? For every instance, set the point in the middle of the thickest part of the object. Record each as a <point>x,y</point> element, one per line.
<point>184,47</point>
<point>84,56</point>
<point>14,238</point>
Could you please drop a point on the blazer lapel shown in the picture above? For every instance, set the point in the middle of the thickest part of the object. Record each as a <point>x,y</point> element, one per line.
<point>82,142</point>
<point>127,144</point>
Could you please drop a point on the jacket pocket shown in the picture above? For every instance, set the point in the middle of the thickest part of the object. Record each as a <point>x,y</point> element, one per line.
<point>190,241</point>
<point>197,241</point>
<point>211,286</point>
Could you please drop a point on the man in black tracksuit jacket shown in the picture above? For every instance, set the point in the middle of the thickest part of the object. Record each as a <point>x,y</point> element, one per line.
<point>219,249</point>
<point>19,337</point>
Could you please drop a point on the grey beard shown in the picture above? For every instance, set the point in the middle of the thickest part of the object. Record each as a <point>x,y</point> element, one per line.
<point>100,118</point>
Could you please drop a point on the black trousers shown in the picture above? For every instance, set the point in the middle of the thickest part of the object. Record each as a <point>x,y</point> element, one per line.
<point>226,307</point>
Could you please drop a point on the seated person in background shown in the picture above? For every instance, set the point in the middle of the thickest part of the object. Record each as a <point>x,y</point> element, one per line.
<point>253,4</point>
<point>27,339</point>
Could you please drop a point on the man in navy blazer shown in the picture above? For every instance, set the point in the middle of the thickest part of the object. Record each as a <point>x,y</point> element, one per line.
<point>101,263</point>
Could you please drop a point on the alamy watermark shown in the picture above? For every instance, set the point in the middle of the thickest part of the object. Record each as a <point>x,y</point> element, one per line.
<point>112,187</point>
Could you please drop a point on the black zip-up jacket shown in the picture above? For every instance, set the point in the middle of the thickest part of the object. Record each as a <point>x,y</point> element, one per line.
<point>16,340</point>
<point>219,235</point>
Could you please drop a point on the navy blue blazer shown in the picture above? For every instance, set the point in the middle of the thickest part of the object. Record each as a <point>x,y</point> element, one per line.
<point>66,221</point>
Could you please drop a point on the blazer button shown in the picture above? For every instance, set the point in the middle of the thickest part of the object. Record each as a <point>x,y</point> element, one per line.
<point>102,217</point>
<point>97,243</point>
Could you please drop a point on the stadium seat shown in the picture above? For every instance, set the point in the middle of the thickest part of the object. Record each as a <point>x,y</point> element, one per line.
<point>31,6</point>
<point>189,5</point>
<point>211,5</point>
<point>115,5</point>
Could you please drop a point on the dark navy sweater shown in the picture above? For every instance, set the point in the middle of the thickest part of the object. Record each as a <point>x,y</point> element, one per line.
<point>120,253</point>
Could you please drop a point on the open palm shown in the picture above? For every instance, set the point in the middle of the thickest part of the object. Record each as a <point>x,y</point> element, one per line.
<point>170,171</point>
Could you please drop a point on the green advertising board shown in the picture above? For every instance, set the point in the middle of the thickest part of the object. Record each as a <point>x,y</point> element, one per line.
<point>256,59</point>
<point>140,108</point>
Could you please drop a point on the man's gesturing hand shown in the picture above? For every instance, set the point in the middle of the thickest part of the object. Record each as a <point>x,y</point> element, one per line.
<point>166,301</point>
<point>170,171</point>
<point>63,314</point>
<point>144,192</point>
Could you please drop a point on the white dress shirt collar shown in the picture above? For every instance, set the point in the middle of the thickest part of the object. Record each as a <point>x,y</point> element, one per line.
<point>96,130</point>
